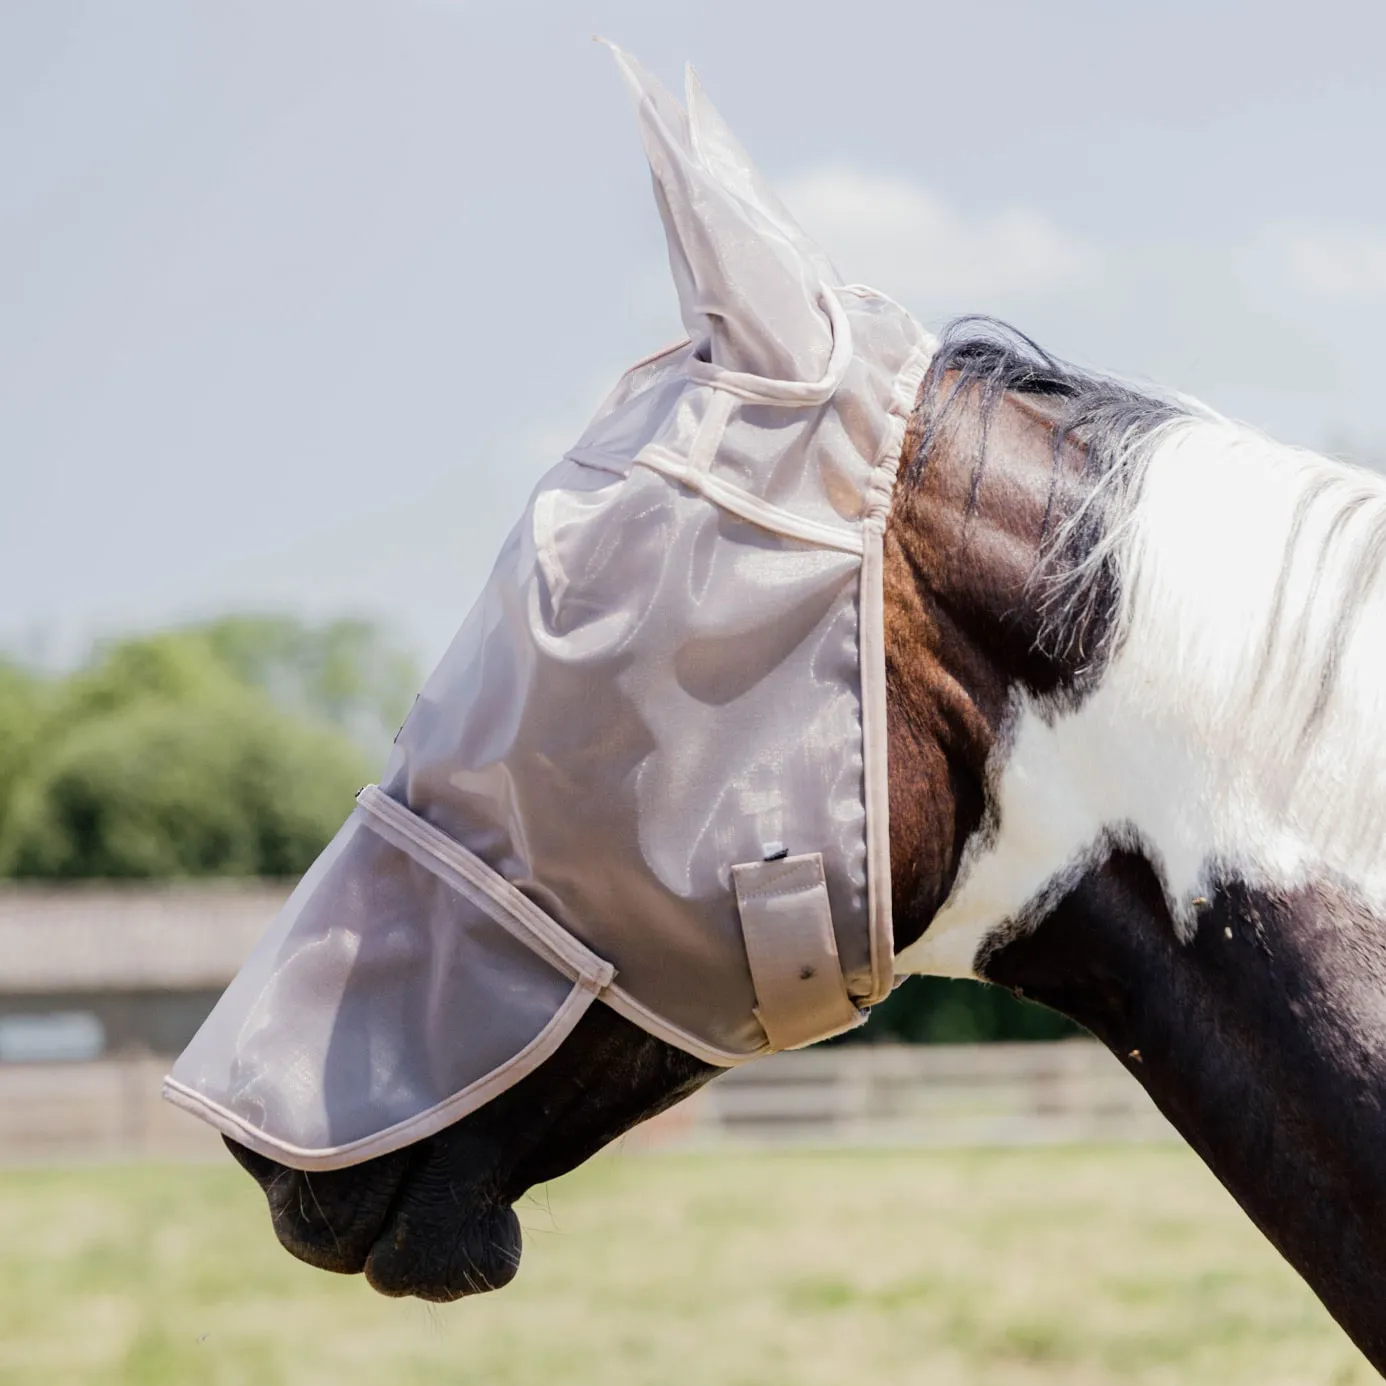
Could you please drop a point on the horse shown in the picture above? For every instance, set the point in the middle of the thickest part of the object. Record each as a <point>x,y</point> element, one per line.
<point>1136,744</point>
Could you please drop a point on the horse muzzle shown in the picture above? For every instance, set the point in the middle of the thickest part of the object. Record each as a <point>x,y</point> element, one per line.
<point>415,1224</point>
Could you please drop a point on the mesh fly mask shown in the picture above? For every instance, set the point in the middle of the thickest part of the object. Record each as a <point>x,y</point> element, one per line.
<point>651,768</point>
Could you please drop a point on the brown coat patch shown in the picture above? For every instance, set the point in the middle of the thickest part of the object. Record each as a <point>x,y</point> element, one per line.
<point>961,624</point>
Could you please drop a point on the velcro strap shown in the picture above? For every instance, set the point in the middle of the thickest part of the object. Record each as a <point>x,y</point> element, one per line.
<point>788,928</point>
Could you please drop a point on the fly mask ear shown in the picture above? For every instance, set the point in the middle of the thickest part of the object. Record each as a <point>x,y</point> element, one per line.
<point>750,283</point>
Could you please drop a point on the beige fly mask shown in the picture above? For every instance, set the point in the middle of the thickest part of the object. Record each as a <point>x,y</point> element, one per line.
<point>651,769</point>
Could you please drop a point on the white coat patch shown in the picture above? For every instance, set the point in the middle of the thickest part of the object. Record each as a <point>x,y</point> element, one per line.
<point>1251,579</point>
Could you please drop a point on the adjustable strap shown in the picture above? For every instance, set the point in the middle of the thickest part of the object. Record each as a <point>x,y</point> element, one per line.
<point>788,928</point>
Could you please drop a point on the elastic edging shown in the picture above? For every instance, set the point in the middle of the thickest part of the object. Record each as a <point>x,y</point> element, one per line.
<point>402,1133</point>
<point>871,648</point>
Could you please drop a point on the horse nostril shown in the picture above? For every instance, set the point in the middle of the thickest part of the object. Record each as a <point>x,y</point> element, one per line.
<point>330,1219</point>
<point>448,1259</point>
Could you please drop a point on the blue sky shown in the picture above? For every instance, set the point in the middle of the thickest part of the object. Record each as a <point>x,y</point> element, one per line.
<point>297,300</point>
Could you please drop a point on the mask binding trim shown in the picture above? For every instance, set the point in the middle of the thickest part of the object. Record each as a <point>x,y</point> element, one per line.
<point>759,389</point>
<point>871,647</point>
<point>703,453</point>
<point>402,1133</point>
<point>624,1004</point>
<point>453,864</point>
<point>746,506</point>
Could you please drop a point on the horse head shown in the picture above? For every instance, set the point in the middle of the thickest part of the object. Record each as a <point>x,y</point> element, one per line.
<point>832,653</point>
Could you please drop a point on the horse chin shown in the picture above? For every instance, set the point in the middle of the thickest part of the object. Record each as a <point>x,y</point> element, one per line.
<point>436,1220</point>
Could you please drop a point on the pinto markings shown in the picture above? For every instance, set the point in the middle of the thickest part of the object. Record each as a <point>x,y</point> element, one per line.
<point>1237,730</point>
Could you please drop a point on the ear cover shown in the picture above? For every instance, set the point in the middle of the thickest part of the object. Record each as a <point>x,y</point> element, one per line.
<point>750,283</point>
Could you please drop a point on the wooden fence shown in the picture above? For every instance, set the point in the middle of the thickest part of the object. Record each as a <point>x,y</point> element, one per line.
<point>964,1095</point>
<point>932,1095</point>
<point>109,1109</point>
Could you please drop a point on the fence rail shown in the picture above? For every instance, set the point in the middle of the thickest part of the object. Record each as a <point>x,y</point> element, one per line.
<point>932,1095</point>
<point>109,1109</point>
<point>944,1095</point>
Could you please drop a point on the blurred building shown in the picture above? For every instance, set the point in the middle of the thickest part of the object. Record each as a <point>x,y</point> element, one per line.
<point>100,986</point>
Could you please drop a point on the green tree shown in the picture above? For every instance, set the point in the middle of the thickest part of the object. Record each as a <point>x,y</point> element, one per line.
<point>232,748</point>
<point>22,699</point>
<point>347,672</point>
<point>162,788</point>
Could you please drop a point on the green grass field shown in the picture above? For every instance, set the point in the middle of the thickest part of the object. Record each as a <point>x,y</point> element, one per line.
<point>1059,1266</point>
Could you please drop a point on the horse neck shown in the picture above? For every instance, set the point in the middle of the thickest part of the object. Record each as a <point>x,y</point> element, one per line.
<point>1174,848</point>
<point>1261,1037</point>
<point>963,628</point>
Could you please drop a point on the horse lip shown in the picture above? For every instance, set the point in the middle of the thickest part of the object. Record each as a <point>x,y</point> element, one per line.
<point>445,1253</point>
<point>438,1228</point>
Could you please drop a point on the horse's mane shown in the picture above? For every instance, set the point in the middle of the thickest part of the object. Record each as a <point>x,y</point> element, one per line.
<point>1315,527</point>
<point>1075,579</point>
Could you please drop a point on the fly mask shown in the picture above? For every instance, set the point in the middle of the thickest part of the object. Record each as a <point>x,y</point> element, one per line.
<point>651,767</point>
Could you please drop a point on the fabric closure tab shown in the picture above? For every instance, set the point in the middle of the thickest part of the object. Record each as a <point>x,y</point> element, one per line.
<point>466,873</point>
<point>787,925</point>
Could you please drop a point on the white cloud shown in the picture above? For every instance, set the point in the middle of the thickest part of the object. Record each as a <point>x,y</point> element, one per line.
<point>904,238</point>
<point>1332,262</point>
<point>1276,326</point>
